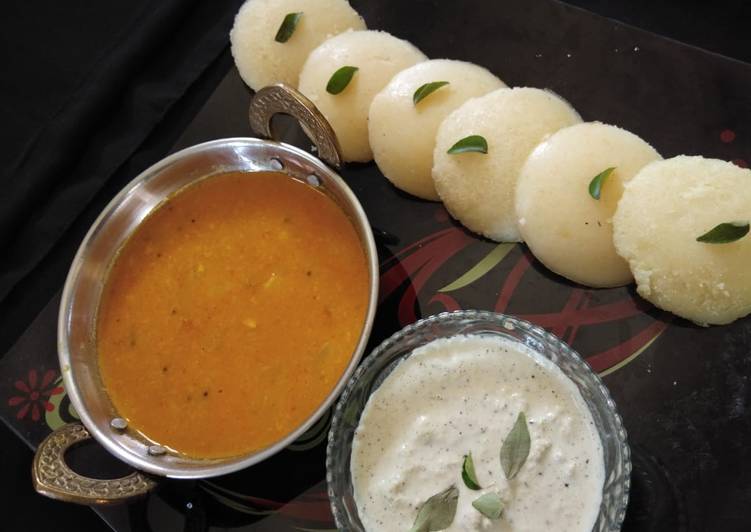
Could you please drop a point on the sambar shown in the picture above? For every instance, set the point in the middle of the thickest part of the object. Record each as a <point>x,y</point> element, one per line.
<point>230,314</point>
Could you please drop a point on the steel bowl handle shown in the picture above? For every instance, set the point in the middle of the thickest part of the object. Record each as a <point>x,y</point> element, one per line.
<point>281,98</point>
<point>53,478</point>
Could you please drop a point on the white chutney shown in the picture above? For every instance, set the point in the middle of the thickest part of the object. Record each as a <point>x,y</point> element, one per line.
<point>463,394</point>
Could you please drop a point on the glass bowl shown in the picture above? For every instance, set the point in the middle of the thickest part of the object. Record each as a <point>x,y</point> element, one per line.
<point>376,367</point>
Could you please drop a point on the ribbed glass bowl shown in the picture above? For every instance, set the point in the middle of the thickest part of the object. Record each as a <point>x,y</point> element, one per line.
<point>386,356</point>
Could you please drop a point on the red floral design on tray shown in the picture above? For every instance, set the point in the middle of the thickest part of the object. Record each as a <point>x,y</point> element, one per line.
<point>34,394</point>
<point>311,509</point>
<point>625,327</point>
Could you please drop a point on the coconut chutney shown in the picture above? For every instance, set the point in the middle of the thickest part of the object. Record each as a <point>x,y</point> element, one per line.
<point>463,394</point>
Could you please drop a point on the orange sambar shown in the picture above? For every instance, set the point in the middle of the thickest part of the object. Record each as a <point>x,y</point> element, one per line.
<point>231,313</point>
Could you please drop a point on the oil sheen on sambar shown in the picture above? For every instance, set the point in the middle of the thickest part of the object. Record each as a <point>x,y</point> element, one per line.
<point>231,313</point>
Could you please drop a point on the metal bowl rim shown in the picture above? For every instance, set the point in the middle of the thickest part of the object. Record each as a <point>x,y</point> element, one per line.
<point>151,464</point>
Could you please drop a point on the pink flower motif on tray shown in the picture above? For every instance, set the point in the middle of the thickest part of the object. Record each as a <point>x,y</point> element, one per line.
<point>35,394</point>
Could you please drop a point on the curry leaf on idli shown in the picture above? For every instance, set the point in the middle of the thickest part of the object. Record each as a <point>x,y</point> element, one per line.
<point>725,233</point>
<point>287,27</point>
<point>595,186</point>
<point>340,79</point>
<point>472,143</point>
<point>426,90</point>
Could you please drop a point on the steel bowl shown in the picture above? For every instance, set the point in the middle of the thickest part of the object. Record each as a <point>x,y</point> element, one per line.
<point>88,273</point>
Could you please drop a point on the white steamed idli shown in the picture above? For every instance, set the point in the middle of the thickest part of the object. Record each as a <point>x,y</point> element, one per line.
<point>564,226</point>
<point>664,208</point>
<point>402,133</point>
<point>478,189</point>
<point>261,60</point>
<point>378,56</point>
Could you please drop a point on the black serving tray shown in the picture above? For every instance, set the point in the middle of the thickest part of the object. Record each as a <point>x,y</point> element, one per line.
<point>683,391</point>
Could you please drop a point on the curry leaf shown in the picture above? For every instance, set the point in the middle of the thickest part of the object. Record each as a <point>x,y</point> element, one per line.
<point>468,473</point>
<point>473,143</point>
<point>427,89</point>
<point>340,79</point>
<point>437,513</point>
<point>287,28</point>
<point>515,448</point>
<point>725,233</point>
<point>489,505</point>
<point>595,186</point>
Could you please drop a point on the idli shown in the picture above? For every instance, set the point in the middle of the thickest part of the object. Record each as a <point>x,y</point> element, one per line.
<point>565,227</point>
<point>478,188</point>
<point>377,56</point>
<point>261,59</point>
<point>402,132</point>
<point>664,209</point>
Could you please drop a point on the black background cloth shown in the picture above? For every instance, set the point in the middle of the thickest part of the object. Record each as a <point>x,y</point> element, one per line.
<point>83,86</point>
<point>93,92</point>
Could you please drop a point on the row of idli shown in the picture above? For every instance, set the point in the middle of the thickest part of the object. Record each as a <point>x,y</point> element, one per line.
<point>530,181</point>
<point>322,48</point>
<point>374,113</point>
<point>594,203</point>
<point>598,205</point>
